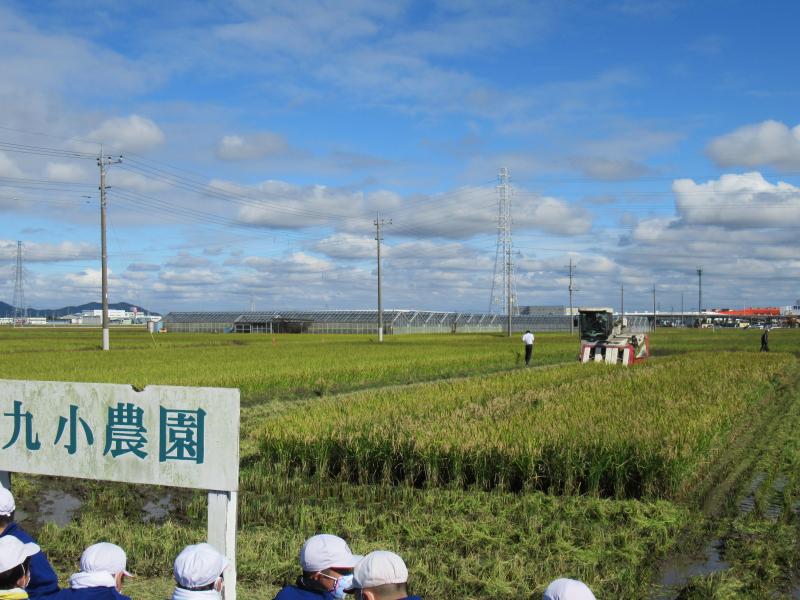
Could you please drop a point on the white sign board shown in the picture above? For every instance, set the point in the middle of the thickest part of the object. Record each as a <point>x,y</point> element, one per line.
<point>163,435</point>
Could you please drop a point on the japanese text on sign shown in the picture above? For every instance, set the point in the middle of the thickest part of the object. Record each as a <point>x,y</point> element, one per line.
<point>185,437</point>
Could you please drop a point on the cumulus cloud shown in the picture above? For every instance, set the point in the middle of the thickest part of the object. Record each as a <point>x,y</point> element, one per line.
<point>42,252</point>
<point>143,267</point>
<point>136,182</point>
<point>67,172</point>
<point>611,169</point>
<point>737,202</point>
<point>769,143</point>
<point>8,167</point>
<point>185,260</point>
<point>299,262</point>
<point>252,146</point>
<point>194,277</point>
<point>87,280</point>
<point>346,246</point>
<point>464,212</point>
<point>133,134</point>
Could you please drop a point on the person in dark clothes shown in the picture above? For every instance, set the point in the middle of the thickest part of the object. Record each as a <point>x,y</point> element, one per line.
<point>43,579</point>
<point>327,565</point>
<point>15,567</point>
<point>101,575</point>
<point>765,340</point>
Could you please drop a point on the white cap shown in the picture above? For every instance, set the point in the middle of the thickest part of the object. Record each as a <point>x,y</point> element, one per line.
<point>13,552</point>
<point>568,589</point>
<point>379,568</point>
<point>104,558</point>
<point>325,551</point>
<point>7,505</point>
<point>198,565</point>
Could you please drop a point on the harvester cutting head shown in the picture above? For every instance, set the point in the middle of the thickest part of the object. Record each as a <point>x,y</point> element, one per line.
<point>604,339</point>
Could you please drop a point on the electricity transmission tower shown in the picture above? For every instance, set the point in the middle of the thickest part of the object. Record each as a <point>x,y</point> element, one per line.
<point>504,286</point>
<point>20,309</point>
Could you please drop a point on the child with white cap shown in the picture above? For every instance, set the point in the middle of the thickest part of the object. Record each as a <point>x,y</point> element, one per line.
<point>381,575</point>
<point>15,567</point>
<point>327,564</point>
<point>43,579</point>
<point>568,589</point>
<point>198,571</point>
<point>101,575</point>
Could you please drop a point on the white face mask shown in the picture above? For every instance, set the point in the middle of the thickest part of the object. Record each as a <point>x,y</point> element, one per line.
<point>343,583</point>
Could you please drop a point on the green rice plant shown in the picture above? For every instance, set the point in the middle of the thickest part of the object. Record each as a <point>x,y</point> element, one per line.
<point>577,429</point>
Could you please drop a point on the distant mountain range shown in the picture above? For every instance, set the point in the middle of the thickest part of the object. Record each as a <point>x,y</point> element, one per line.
<point>6,310</point>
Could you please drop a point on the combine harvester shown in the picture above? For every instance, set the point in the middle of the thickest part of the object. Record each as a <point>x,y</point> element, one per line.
<point>608,341</point>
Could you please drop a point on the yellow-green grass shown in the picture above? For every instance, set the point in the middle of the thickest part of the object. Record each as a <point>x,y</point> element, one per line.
<point>263,367</point>
<point>650,430</point>
<point>457,544</point>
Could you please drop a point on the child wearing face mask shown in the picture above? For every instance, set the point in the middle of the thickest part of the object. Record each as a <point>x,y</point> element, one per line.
<point>327,565</point>
<point>15,573</point>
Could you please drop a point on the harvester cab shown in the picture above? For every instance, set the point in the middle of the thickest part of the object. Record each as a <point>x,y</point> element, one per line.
<point>604,339</point>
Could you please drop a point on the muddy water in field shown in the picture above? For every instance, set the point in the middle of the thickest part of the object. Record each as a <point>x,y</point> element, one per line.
<point>57,506</point>
<point>678,570</point>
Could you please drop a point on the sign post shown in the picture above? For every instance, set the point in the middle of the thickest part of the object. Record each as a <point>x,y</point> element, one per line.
<point>162,435</point>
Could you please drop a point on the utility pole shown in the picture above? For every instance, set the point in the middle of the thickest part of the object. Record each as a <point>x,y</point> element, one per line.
<point>621,302</point>
<point>378,224</point>
<point>654,307</point>
<point>102,163</point>
<point>683,317</point>
<point>699,293</point>
<point>571,317</point>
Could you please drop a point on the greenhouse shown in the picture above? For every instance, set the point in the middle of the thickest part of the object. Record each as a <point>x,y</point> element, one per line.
<point>357,321</point>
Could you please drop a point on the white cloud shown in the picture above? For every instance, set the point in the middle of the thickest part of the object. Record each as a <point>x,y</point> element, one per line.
<point>252,146</point>
<point>193,277</point>
<point>462,213</point>
<point>68,172</point>
<point>128,134</point>
<point>87,280</point>
<point>135,181</point>
<point>8,167</point>
<point>346,246</point>
<point>43,252</point>
<point>187,261</point>
<point>611,169</point>
<point>769,143</point>
<point>299,262</point>
<point>737,202</point>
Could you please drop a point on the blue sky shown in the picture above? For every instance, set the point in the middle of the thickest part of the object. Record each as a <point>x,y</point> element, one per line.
<point>259,139</point>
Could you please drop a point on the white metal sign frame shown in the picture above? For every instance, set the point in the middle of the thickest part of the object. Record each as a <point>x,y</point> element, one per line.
<point>162,435</point>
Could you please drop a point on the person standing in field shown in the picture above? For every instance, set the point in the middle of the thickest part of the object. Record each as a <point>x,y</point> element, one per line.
<point>15,567</point>
<point>327,565</point>
<point>198,571</point>
<point>43,579</point>
<point>381,575</point>
<point>527,339</point>
<point>101,575</point>
<point>568,589</point>
<point>765,340</point>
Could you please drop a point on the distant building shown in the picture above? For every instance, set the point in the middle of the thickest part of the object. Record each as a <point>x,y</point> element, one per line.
<point>547,311</point>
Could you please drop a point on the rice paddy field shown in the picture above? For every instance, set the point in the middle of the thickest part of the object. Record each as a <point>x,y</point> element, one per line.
<point>488,478</point>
